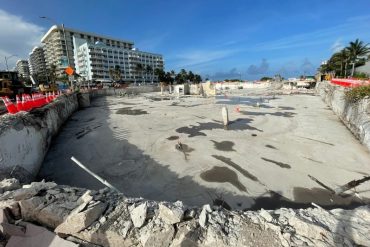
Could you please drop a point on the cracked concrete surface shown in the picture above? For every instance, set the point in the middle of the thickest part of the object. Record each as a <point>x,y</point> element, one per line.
<point>131,143</point>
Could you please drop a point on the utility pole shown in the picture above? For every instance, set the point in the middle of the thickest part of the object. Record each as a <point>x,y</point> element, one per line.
<point>6,61</point>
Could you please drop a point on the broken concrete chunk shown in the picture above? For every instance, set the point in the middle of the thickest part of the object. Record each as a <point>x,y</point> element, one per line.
<point>40,185</point>
<point>156,235</point>
<point>40,237</point>
<point>171,213</point>
<point>266,215</point>
<point>79,221</point>
<point>9,184</point>
<point>13,230</point>
<point>203,215</point>
<point>86,197</point>
<point>138,215</point>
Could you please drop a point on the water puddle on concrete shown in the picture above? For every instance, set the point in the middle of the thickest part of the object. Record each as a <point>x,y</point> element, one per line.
<point>159,98</point>
<point>286,108</point>
<point>238,124</point>
<point>270,146</point>
<point>243,100</point>
<point>281,164</point>
<point>219,174</point>
<point>303,198</point>
<point>172,138</point>
<point>129,111</point>
<point>254,135</point>
<point>229,162</point>
<point>226,146</point>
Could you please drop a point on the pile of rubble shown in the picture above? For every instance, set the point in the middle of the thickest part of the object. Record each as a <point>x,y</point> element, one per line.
<point>47,214</point>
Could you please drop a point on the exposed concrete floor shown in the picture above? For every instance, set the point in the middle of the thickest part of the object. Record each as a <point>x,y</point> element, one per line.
<point>262,160</point>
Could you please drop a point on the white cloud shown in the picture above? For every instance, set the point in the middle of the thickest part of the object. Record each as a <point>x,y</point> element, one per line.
<point>337,46</point>
<point>18,37</point>
<point>198,57</point>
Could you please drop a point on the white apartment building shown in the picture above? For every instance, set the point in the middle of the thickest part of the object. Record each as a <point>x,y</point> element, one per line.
<point>37,62</point>
<point>59,48</point>
<point>93,61</point>
<point>23,69</point>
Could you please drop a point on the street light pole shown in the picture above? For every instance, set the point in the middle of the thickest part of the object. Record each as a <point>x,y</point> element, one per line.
<point>6,61</point>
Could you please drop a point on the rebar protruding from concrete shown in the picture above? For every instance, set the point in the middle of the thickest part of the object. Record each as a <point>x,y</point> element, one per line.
<point>225,116</point>
<point>103,181</point>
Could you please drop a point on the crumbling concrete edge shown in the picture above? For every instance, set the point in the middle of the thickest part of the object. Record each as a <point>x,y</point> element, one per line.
<point>25,137</point>
<point>355,116</point>
<point>107,218</point>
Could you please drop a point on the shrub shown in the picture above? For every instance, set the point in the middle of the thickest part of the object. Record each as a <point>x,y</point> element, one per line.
<point>357,93</point>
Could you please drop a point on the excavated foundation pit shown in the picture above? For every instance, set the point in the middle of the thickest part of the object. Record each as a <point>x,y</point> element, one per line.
<point>262,160</point>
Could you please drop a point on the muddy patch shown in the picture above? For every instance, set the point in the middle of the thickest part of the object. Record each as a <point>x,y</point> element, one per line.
<point>172,138</point>
<point>303,198</point>
<point>159,98</point>
<point>254,135</point>
<point>270,146</point>
<point>196,130</point>
<point>219,174</point>
<point>226,146</point>
<point>286,108</point>
<point>229,162</point>
<point>130,111</point>
<point>281,164</point>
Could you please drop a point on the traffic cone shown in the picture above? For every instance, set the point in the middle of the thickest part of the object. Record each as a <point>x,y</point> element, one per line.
<point>19,104</point>
<point>30,101</point>
<point>24,103</point>
<point>12,109</point>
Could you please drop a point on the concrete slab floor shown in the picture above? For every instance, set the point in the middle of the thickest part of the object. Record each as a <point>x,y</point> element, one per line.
<point>262,160</point>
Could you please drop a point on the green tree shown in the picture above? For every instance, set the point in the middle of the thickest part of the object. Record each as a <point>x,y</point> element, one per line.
<point>181,77</point>
<point>197,78</point>
<point>190,76</point>
<point>139,69</point>
<point>52,73</point>
<point>356,50</point>
<point>115,73</point>
<point>160,74</point>
<point>149,70</point>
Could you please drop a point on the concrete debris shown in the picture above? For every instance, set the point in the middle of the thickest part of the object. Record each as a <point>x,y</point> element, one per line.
<point>138,215</point>
<point>171,213</point>
<point>36,236</point>
<point>81,220</point>
<point>115,220</point>
<point>203,215</point>
<point>9,184</point>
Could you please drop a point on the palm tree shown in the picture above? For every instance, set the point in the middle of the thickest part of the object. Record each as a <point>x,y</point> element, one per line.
<point>149,70</point>
<point>340,58</point>
<point>139,69</point>
<point>356,50</point>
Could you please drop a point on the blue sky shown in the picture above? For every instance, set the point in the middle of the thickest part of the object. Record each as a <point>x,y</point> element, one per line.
<point>216,38</point>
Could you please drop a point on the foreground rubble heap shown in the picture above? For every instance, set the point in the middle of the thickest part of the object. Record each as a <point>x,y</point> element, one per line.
<point>105,218</point>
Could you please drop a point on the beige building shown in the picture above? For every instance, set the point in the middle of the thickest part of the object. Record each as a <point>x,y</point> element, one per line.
<point>37,62</point>
<point>59,48</point>
<point>23,69</point>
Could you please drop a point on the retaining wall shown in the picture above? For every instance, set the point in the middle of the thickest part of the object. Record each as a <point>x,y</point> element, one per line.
<point>26,136</point>
<point>356,116</point>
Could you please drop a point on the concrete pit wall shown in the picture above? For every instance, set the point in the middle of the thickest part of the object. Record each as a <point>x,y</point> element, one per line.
<point>26,136</point>
<point>356,116</point>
